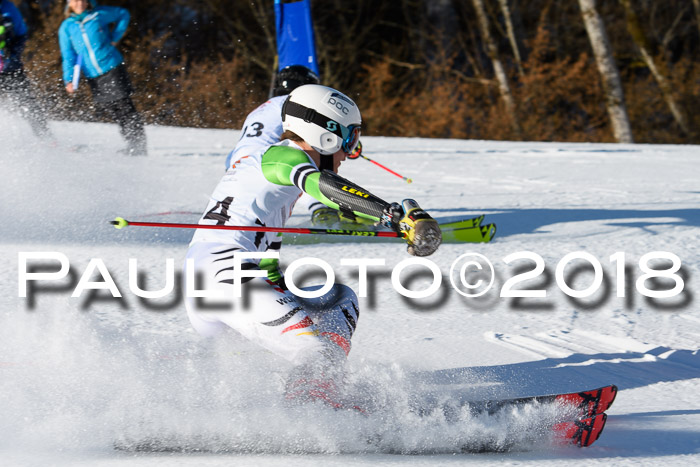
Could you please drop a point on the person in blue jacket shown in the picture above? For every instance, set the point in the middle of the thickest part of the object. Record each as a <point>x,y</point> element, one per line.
<point>13,81</point>
<point>87,33</point>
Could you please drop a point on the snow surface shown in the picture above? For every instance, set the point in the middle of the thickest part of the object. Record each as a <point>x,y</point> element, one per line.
<point>79,376</point>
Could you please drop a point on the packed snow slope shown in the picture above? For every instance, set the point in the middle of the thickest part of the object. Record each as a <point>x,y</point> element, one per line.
<point>81,375</point>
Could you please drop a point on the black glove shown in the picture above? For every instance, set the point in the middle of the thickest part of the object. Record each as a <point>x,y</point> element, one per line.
<point>421,232</point>
<point>392,216</point>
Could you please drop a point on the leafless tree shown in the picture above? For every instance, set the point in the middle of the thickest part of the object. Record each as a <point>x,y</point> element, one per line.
<point>635,29</point>
<point>696,6</point>
<point>615,97</point>
<point>255,42</point>
<point>499,71</point>
<point>505,8</point>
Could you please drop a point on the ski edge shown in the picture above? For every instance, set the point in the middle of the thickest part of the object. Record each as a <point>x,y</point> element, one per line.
<point>566,398</point>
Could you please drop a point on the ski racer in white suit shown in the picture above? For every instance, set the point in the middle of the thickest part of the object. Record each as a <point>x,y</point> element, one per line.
<point>261,188</point>
<point>263,127</point>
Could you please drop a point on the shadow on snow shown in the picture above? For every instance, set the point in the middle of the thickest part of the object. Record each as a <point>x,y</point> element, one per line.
<point>527,221</point>
<point>577,372</point>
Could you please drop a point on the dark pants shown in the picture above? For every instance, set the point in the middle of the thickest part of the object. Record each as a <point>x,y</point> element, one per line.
<point>130,123</point>
<point>19,90</point>
<point>112,94</point>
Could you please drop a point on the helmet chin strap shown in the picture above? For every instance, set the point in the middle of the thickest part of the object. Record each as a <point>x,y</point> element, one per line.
<point>326,162</point>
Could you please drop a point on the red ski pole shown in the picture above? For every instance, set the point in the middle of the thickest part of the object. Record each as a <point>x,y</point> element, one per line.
<point>120,223</point>
<point>408,180</point>
<point>358,153</point>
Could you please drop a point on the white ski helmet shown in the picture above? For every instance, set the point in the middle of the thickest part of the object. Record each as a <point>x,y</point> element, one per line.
<point>326,119</point>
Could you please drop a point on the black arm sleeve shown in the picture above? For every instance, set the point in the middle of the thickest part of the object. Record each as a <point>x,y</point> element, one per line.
<point>350,198</point>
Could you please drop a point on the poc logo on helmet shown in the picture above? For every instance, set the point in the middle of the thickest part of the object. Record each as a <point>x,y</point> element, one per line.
<point>335,101</point>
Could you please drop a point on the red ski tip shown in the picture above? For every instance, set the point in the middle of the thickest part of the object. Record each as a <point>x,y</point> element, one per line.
<point>582,433</point>
<point>592,402</point>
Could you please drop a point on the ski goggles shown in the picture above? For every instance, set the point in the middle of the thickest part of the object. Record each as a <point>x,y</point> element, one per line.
<point>357,152</point>
<point>351,139</point>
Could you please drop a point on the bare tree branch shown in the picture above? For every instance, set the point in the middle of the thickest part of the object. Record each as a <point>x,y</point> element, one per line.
<point>696,7</point>
<point>670,33</point>
<point>505,8</point>
<point>635,30</point>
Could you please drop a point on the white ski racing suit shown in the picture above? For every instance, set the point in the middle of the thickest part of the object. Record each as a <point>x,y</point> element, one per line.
<point>261,189</point>
<point>261,129</point>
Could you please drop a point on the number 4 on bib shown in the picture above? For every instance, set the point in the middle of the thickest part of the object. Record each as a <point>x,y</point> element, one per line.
<point>219,212</point>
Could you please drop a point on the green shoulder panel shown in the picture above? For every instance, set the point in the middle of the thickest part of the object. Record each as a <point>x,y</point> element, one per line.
<point>278,162</point>
<point>277,165</point>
